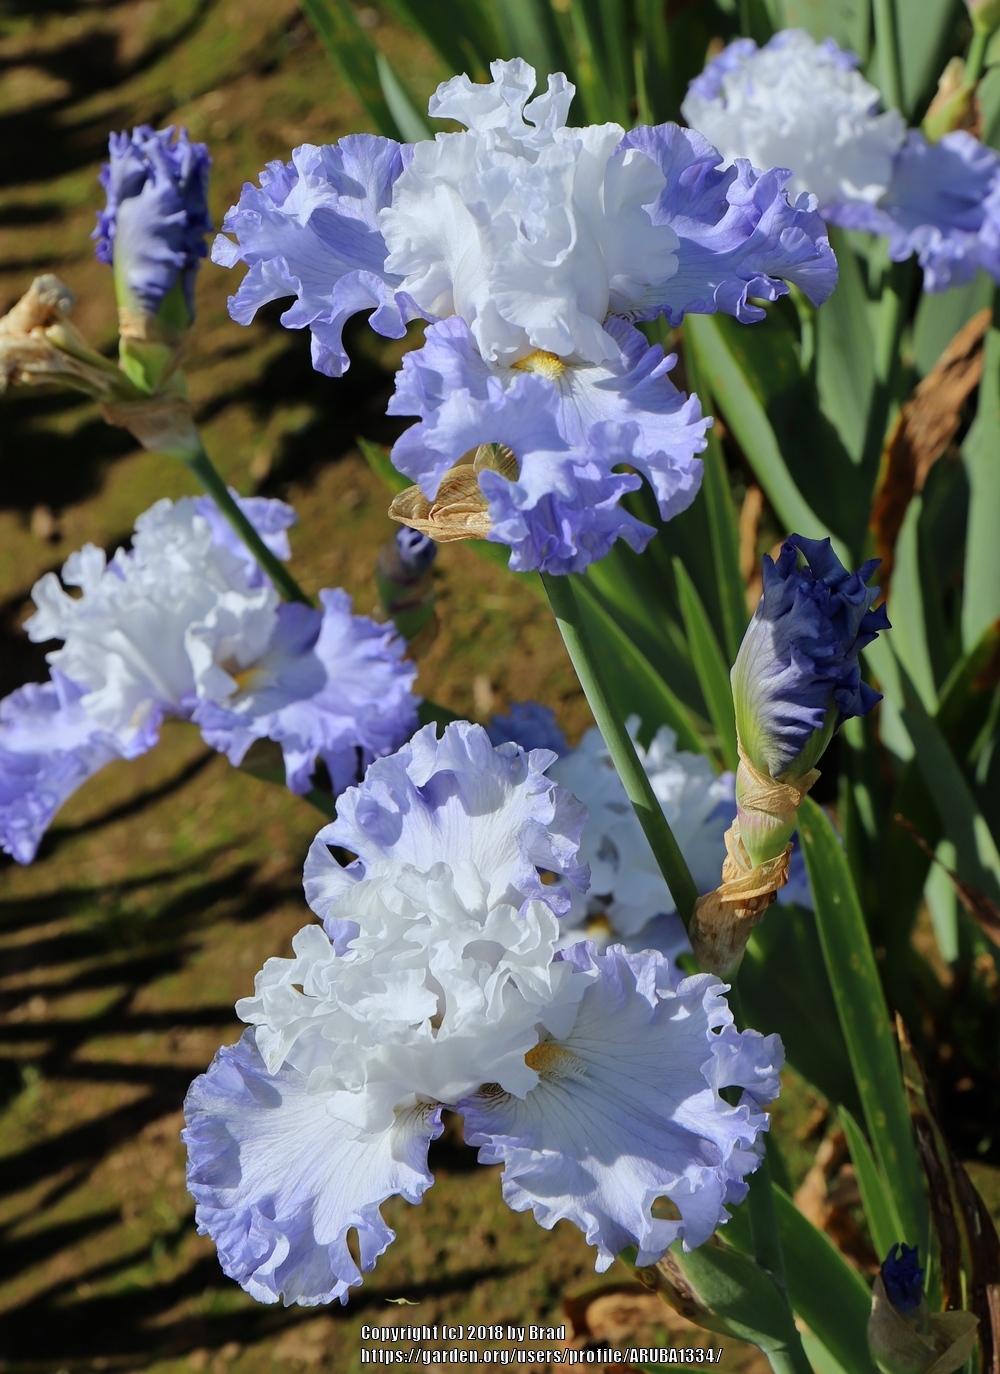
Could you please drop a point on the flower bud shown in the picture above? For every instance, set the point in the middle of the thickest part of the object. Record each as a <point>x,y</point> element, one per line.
<point>954,103</point>
<point>985,14</point>
<point>903,1278</point>
<point>795,679</point>
<point>404,583</point>
<point>416,552</point>
<point>903,1336</point>
<point>152,232</point>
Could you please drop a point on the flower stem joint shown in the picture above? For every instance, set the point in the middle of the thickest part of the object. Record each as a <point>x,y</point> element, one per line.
<point>795,680</point>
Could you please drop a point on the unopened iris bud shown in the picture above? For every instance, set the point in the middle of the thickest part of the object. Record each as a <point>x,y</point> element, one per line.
<point>903,1336</point>
<point>985,14</point>
<point>903,1278</point>
<point>404,583</point>
<point>416,551</point>
<point>954,103</point>
<point>152,232</point>
<point>795,680</point>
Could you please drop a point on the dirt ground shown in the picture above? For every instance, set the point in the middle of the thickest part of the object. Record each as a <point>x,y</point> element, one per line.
<point>167,882</point>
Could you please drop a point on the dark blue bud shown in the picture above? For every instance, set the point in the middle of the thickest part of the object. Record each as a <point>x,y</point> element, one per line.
<point>903,1278</point>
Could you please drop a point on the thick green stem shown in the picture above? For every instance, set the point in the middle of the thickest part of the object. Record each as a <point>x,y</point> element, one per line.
<point>975,63</point>
<point>790,1361</point>
<point>209,477</point>
<point>887,40</point>
<point>767,1249</point>
<point>666,851</point>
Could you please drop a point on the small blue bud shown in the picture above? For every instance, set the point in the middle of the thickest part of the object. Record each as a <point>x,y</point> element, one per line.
<point>416,551</point>
<point>530,725</point>
<point>903,1278</point>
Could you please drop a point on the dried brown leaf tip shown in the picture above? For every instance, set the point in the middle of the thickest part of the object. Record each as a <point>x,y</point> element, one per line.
<point>927,423</point>
<point>458,510</point>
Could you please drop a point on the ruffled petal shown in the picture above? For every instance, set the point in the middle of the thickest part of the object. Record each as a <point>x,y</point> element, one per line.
<point>628,1110</point>
<point>529,231</point>
<point>49,747</point>
<point>270,518</point>
<point>740,236</point>
<point>332,688</point>
<point>942,205</point>
<point>160,626</point>
<point>454,800</point>
<point>280,1180</point>
<point>800,104</point>
<point>310,230</point>
<point>569,425</point>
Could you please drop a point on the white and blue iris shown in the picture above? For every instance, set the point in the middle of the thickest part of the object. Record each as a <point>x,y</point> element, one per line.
<point>595,1078</point>
<point>802,104</point>
<point>184,624</point>
<point>530,247</point>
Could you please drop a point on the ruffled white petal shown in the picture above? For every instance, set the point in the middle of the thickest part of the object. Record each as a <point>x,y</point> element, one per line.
<point>801,104</point>
<point>454,800</point>
<point>281,1180</point>
<point>528,230</point>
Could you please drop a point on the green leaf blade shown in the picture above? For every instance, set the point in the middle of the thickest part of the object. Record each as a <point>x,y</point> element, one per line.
<point>709,664</point>
<point>864,1016</point>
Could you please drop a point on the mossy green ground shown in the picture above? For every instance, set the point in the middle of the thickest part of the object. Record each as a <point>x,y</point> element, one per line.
<point>164,886</point>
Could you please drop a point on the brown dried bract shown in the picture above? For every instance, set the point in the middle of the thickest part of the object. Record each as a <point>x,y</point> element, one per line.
<point>926,426</point>
<point>459,509</point>
<point>162,424</point>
